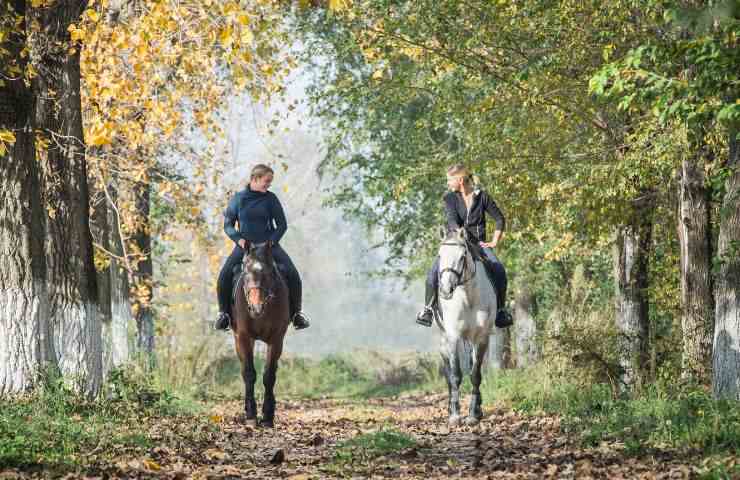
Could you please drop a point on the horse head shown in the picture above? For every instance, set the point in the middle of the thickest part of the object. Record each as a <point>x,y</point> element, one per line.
<point>259,276</point>
<point>454,262</point>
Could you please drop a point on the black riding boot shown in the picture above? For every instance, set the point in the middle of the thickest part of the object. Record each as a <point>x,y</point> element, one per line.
<point>426,316</point>
<point>295,287</point>
<point>503,317</point>
<point>223,289</point>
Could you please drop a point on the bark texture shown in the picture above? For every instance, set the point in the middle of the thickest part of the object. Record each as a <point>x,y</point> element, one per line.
<point>25,343</point>
<point>631,260</point>
<point>697,301</point>
<point>71,278</point>
<point>726,356</point>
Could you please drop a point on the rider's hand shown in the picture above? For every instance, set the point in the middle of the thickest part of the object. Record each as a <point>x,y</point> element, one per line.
<point>488,244</point>
<point>243,244</point>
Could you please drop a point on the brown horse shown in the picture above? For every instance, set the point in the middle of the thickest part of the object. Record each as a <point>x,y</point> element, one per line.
<point>261,312</point>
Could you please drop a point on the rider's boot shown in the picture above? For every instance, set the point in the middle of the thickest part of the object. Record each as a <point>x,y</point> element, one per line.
<point>223,322</point>
<point>426,316</point>
<point>503,317</point>
<point>300,320</point>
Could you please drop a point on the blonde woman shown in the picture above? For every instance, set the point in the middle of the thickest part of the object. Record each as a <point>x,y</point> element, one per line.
<point>466,206</point>
<point>261,219</point>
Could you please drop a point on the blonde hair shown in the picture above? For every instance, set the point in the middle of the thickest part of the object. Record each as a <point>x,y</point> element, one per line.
<point>460,170</point>
<point>260,170</point>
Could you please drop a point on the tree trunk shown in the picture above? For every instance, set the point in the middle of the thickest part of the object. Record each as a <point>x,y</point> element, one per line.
<point>100,229</point>
<point>25,343</point>
<point>525,305</point>
<point>71,278</point>
<point>143,275</point>
<point>497,349</point>
<point>631,259</point>
<point>694,234</point>
<point>121,314</point>
<point>726,357</point>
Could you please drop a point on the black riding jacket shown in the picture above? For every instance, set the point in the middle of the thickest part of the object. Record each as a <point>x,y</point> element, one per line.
<point>474,221</point>
<point>260,216</point>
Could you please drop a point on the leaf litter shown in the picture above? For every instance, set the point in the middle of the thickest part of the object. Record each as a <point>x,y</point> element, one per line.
<point>310,441</point>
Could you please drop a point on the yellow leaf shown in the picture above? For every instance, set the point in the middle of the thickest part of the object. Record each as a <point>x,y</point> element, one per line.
<point>216,418</point>
<point>243,19</point>
<point>226,36</point>
<point>151,465</point>
<point>378,74</point>
<point>6,136</point>
<point>92,15</point>
<point>339,5</point>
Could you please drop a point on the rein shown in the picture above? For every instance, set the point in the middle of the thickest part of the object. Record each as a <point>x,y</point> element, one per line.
<point>459,274</point>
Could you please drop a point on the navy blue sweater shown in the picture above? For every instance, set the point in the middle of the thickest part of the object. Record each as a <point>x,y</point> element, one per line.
<point>260,217</point>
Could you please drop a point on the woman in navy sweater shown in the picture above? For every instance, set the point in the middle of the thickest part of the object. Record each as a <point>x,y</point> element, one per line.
<point>261,218</point>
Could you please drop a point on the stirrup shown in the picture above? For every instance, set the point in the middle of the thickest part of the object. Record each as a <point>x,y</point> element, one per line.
<point>300,320</point>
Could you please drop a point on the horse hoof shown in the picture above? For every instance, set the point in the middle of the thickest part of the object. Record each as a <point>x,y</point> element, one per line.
<point>267,424</point>
<point>470,421</point>
<point>454,420</point>
<point>249,420</point>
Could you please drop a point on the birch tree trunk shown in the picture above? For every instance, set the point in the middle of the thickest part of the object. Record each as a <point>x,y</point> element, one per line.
<point>726,356</point>
<point>524,326</point>
<point>694,233</point>
<point>25,342</point>
<point>71,278</point>
<point>631,260</point>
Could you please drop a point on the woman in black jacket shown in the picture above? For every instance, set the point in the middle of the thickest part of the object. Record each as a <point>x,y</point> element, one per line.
<point>261,218</point>
<point>466,206</point>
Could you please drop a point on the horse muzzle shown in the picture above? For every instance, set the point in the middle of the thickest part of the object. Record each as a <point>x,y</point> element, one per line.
<point>256,300</point>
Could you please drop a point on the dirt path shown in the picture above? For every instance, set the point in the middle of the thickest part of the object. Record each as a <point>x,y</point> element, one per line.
<point>304,443</point>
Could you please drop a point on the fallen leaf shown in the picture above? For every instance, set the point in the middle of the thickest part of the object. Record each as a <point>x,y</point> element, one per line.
<point>152,465</point>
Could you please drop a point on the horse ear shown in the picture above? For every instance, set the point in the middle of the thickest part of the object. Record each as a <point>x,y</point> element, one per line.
<point>461,233</point>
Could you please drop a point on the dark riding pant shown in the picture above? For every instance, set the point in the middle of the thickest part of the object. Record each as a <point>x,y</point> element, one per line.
<point>285,264</point>
<point>494,268</point>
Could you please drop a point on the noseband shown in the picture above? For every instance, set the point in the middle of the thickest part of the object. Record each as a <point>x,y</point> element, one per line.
<point>461,280</point>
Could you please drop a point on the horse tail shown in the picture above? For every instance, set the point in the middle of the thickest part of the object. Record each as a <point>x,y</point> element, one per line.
<point>465,355</point>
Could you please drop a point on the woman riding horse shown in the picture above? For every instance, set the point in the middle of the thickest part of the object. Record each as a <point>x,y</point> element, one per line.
<point>261,219</point>
<point>466,206</point>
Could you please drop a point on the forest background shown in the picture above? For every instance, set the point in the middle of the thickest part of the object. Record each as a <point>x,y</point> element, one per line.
<point>606,131</point>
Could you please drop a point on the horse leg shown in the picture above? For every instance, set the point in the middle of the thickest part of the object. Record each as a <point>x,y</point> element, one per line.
<point>454,378</point>
<point>475,414</point>
<point>245,350</point>
<point>269,377</point>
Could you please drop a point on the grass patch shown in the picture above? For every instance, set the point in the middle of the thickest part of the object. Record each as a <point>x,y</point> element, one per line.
<point>366,447</point>
<point>359,375</point>
<point>682,418</point>
<point>56,430</point>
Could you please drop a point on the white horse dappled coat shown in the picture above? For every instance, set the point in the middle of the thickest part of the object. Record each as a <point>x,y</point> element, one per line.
<point>468,304</point>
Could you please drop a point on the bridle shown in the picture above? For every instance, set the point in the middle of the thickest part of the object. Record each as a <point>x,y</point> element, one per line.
<point>461,278</point>
<point>270,293</point>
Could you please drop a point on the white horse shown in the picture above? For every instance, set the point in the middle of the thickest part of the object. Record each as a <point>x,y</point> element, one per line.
<point>467,301</point>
